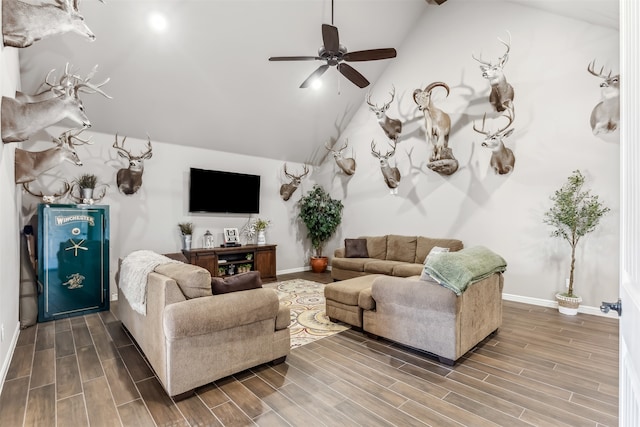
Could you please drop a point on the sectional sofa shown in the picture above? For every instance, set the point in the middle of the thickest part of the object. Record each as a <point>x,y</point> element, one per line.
<point>391,255</point>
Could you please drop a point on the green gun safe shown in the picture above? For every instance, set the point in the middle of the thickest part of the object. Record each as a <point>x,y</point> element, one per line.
<point>73,260</point>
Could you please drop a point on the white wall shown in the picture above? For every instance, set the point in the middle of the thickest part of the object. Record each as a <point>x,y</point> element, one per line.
<point>9,229</point>
<point>554,96</point>
<point>149,218</point>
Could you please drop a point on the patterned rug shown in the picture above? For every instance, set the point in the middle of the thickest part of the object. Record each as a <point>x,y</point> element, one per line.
<point>308,319</point>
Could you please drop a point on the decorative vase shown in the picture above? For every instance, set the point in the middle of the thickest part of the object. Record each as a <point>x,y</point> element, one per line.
<point>319,264</point>
<point>568,305</point>
<point>87,194</point>
<point>186,242</point>
<point>262,240</point>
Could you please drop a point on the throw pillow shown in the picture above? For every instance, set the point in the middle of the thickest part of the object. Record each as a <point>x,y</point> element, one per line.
<point>433,252</point>
<point>355,248</point>
<point>237,282</point>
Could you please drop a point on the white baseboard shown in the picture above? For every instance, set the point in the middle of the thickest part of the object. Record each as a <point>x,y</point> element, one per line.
<point>586,309</point>
<point>298,270</point>
<point>7,361</point>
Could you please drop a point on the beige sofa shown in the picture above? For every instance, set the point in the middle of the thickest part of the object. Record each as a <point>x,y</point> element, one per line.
<point>392,255</point>
<point>446,319</point>
<point>191,337</point>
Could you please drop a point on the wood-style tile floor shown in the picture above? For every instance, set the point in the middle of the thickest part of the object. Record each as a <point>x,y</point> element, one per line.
<point>541,369</point>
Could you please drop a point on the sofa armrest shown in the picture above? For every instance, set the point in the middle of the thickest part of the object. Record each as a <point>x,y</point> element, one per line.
<point>205,315</point>
<point>338,253</point>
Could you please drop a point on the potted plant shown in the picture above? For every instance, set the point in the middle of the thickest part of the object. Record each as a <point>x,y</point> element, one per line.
<point>186,229</point>
<point>575,213</point>
<point>260,225</point>
<point>321,215</point>
<point>87,183</point>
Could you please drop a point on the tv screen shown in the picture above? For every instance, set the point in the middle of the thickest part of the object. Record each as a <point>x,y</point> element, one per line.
<point>223,192</point>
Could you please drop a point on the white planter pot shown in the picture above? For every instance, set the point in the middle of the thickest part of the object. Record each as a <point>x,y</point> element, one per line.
<point>186,242</point>
<point>262,240</point>
<point>568,305</point>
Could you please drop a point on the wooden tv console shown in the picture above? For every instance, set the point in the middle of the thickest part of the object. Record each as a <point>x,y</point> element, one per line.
<point>220,260</point>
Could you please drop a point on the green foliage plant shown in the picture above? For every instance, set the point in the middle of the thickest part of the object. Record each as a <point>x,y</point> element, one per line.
<point>321,215</point>
<point>186,228</point>
<point>575,213</point>
<point>87,180</point>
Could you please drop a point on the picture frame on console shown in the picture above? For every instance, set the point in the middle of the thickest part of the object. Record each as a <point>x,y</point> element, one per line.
<point>231,237</point>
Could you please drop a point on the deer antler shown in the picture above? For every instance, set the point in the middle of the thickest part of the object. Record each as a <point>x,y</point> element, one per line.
<point>387,154</point>
<point>305,171</point>
<point>503,58</point>
<point>591,69</point>
<point>121,149</point>
<point>47,198</point>
<point>68,136</point>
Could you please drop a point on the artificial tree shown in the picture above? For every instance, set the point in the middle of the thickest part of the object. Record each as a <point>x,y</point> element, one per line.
<point>575,213</point>
<point>321,215</point>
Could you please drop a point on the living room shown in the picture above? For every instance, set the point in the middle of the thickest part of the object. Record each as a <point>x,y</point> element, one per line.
<point>554,97</point>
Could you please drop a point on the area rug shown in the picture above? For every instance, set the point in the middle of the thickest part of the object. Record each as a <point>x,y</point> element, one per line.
<point>309,321</point>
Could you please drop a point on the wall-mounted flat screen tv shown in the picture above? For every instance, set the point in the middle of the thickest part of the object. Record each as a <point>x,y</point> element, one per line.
<point>213,191</point>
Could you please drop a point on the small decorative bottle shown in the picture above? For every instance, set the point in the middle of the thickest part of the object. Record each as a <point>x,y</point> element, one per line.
<point>208,240</point>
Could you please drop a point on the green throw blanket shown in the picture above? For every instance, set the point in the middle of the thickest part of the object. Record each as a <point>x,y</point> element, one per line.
<point>457,270</point>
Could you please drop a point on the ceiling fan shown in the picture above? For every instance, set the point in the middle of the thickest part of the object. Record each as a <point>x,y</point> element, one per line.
<point>335,54</point>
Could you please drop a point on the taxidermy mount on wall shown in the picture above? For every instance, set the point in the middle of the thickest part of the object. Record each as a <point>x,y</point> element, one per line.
<point>347,165</point>
<point>29,165</point>
<point>391,127</point>
<point>606,114</point>
<point>390,174</point>
<point>129,180</point>
<point>502,158</point>
<point>25,23</point>
<point>437,126</point>
<point>288,188</point>
<point>23,117</point>
<point>501,91</point>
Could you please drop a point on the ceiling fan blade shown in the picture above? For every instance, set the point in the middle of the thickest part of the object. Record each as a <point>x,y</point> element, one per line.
<point>356,78</point>
<point>330,38</point>
<point>293,58</point>
<point>315,75</point>
<point>370,55</point>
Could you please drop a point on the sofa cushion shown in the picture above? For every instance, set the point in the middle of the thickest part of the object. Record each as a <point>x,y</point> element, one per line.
<point>380,266</point>
<point>355,248</point>
<point>401,248</point>
<point>347,291</point>
<point>194,281</point>
<point>352,264</point>
<point>377,246</point>
<point>406,270</point>
<point>425,244</point>
<point>235,283</point>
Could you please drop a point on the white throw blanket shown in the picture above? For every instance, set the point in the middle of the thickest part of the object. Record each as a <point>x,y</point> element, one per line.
<point>133,277</point>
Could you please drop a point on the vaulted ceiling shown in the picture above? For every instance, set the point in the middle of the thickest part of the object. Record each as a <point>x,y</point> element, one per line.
<point>205,80</point>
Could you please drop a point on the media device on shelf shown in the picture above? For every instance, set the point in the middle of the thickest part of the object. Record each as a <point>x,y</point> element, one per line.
<point>214,191</point>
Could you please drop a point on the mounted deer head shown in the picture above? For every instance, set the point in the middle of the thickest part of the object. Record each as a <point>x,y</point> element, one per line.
<point>48,198</point>
<point>391,127</point>
<point>348,165</point>
<point>605,116</point>
<point>21,119</point>
<point>129,180</point>
<point>287,189</point>
<point>502,158</point>
<point>30,165</point>
<point>390,174</point>
<point>25,23</point>
<point>501,91</point>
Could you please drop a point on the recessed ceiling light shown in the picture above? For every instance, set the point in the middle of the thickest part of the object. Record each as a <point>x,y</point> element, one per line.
<point>158,22</point>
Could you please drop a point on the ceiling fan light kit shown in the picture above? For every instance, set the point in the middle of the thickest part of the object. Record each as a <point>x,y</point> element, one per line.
<point>336,54</point>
